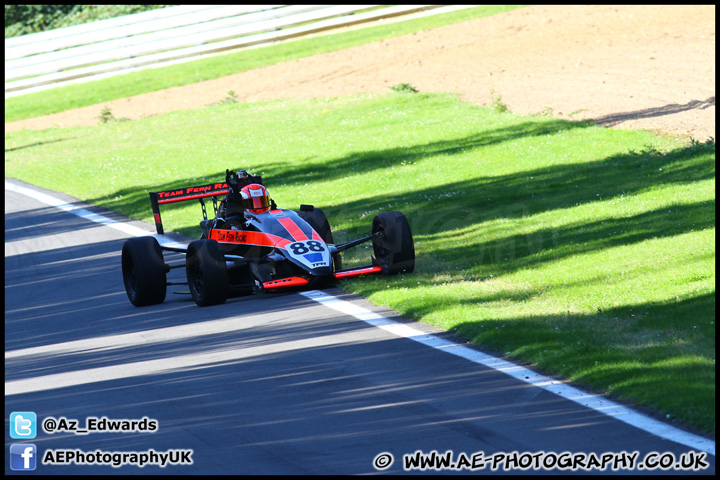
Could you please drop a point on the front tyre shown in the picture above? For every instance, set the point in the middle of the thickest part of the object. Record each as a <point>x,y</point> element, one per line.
<point>394,248</point>
<point>206,272</point>
<point>144,271</point>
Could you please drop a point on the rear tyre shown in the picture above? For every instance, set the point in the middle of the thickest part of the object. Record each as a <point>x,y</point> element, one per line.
<point>318,221</point>
<point>394,248</point>
<point>144,271</point>
<point>206,272</point>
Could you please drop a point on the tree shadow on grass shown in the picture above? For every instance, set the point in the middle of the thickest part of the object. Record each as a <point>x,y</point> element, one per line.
<point>36,144</point>
<point>360,164</point>
<point>519,252</point>
<point>658,354</point>
<point>440,212</point>
<point>548,188</point>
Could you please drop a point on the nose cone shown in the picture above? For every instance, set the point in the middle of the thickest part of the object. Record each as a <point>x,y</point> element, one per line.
<point>321,271</point>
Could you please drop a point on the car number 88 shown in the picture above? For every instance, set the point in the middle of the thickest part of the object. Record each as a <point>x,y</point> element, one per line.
<point>300,248</point>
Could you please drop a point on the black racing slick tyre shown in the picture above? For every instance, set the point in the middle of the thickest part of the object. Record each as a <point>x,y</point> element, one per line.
<point>318,221</point>
<point>394,248</point>
<point>144,271</point>
<point>206,272</point>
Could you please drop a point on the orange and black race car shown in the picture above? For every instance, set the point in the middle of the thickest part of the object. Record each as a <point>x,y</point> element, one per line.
<point>252,246</point>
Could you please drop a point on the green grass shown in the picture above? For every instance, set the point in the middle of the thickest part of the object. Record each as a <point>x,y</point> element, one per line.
<point>121,86</point>
<point>587,252</point>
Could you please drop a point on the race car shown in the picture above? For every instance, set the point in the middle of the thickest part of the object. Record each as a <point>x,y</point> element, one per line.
<point>252,246</point>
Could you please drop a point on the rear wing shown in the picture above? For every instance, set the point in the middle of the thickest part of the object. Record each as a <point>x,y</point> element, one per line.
<point>183,194</point>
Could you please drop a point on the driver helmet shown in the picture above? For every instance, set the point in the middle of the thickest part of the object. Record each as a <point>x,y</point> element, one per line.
<point>255,198</point>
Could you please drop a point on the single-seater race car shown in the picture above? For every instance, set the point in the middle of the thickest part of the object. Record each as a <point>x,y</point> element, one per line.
<point>252,246</point>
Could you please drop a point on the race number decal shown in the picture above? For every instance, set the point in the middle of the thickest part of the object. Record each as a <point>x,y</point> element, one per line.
<point>312,253</point>
<point>301,248</point>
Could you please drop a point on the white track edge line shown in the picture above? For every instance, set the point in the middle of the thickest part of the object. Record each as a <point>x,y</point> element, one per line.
<point>592,401</point>
<point>88,215</point>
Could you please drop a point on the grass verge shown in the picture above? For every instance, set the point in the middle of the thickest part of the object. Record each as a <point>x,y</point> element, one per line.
<point>584,251</point>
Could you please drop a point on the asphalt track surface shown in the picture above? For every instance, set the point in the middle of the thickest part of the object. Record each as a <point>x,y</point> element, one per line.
<point>272,384</point>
